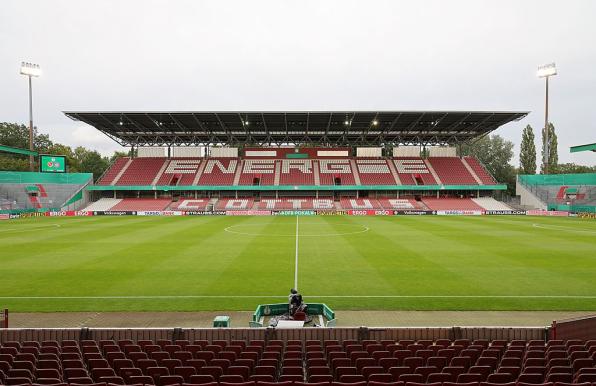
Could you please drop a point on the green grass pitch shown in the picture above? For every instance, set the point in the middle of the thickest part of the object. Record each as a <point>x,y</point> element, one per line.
<point>234,263</point>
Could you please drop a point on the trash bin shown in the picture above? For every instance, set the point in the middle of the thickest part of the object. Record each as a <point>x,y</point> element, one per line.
<point>221,321</point>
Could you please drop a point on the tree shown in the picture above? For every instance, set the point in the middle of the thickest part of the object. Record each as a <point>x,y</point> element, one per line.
<point>553,156</point>
<point>91,161</point>
<point>527,153</point>
<point>73,165</point>
<point>15,135</point>
<point>118,154</point>
<point>79,160</point>
<point>571,168</point>
<point>495,153</point>
<point>14,162</point>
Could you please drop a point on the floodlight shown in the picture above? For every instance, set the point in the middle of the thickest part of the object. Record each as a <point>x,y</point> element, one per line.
<point>375,122</point>
<point>30,69</point>
<point>346,123</point>
<point>546,70</point>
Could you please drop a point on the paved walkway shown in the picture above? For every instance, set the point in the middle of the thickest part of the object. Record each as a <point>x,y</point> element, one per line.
<point>240,319</point>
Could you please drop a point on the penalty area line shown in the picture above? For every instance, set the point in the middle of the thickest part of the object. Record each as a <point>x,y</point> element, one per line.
<point>296,259</point>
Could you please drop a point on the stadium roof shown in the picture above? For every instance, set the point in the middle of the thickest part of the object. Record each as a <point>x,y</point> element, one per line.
<point>588,147</point>
<point>325,128</point>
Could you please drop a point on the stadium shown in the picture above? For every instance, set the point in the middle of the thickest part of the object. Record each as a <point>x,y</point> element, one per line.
<point>227,210</point>
<point>290,247</point>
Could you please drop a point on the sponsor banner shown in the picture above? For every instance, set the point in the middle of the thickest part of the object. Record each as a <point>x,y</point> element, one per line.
<point>114,213</point>
<point>160,213</point>
<point>586,215</point>
<point>559,213</point>
<point>413,212</point>
<point>32,214</point>
<point>505,212</point>
<point>331,212</point>
<point>205,213</point>
<point>4,216</point>
<point>295,213</point>
<point>69,213</point>
<point>459,212</point>
<point>370,212</point>
<point>248,213</point>
<point>12,216</point>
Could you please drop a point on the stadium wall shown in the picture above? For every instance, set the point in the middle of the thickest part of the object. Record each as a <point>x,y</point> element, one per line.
<point>338,333</point>
<point>550,191</point>
<point>578,328</point>
<point>559,179</point>
<point>527,198</point>
<point>53,190</point>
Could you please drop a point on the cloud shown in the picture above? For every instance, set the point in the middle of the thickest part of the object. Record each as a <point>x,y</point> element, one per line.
<point>271,55</point>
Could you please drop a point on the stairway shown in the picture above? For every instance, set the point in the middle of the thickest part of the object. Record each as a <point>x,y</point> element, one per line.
<point>239,168</point>
<point>355,172</point>
<point>160,172</point>
<point>277,175</point>
<point>471,171</point>
<point>199,172</point>
<point>393,170</point>
<point>432,171</point>
<point>115,180</point>
<point>315,170</point>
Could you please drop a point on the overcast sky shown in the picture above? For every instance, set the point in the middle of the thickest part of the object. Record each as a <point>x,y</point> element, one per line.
<point>301,55</point>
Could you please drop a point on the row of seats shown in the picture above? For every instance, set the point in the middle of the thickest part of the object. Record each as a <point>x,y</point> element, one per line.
<point>297,203</point>
<point>146,204</point>
<point>174,380</point>
<point>451,204</point>
<point>452,171</point>
<point>235,171</point>
<point>166,362</point>
<point>235,204</point>
<point>480,171</point>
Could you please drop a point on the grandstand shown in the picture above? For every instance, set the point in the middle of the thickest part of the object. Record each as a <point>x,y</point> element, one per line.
<point>42,191</point>
<point>563,192</point>
<point>300,163</point>
<point>298,360</point>
<point>295,160</point>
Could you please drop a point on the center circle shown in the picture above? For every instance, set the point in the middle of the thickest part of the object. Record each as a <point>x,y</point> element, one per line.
<point>250,231</point>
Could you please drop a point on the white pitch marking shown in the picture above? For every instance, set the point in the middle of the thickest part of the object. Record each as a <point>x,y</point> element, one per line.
<point>296,260</point>
<point>562,228</point>
<point>231,230</point>
<point>17,230</point>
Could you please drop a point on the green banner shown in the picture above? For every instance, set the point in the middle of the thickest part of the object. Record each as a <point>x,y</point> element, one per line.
<point>558,179</point>
<point>45,178</point>
<point>296,213</point>
<point>166,188</point>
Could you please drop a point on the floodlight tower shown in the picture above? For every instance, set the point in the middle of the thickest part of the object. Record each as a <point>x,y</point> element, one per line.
<point>546,71</point>
<point>30,70</point>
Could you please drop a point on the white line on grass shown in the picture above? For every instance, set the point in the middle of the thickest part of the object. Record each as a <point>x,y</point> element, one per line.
<point>296,259</point>
<point>562,228</point>
<point>13,230</point>
<point>231,229</point>
<point>312,296</point>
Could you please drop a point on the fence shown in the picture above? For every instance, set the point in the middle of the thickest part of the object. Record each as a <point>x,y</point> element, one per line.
<point>303,334</point>
<point>583,328</point>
